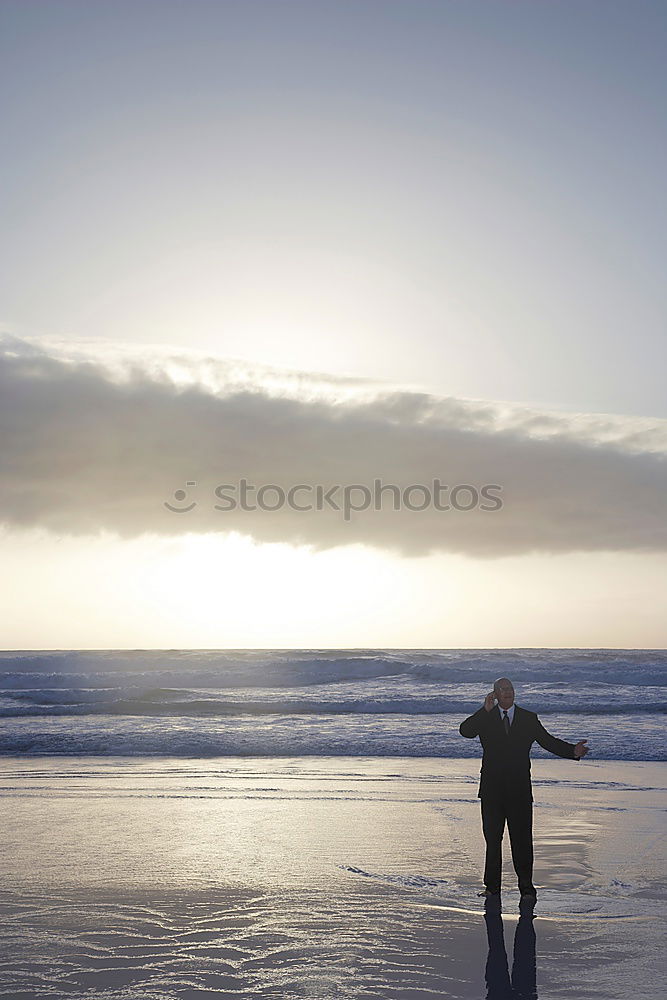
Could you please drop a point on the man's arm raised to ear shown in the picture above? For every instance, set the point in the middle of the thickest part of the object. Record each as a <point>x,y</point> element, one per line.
<point>473,725</point>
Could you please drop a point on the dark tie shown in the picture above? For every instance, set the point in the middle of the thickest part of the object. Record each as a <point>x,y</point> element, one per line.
<point>506,722</point>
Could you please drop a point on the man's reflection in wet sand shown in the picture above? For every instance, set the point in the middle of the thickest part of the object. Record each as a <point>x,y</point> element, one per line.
<point>523,983</point>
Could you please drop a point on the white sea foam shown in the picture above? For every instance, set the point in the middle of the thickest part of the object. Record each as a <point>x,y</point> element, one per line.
<point>375,702</point>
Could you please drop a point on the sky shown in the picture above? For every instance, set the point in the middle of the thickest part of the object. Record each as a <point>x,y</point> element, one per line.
<point>325,242</point>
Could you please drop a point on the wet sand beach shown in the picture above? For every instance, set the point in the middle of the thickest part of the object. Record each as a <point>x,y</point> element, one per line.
<point>322,877</point>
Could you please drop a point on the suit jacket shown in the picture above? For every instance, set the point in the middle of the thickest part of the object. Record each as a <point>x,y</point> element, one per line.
<point>505,770</point>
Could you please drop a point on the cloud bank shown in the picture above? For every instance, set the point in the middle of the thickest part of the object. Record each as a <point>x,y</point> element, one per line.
<point>95,441</point>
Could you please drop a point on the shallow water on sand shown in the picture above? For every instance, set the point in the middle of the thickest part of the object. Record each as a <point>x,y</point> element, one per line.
<point>314,877</point>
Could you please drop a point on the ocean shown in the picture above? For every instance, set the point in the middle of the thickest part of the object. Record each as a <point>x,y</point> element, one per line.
<point>308,702</point>
<point>305,824</point>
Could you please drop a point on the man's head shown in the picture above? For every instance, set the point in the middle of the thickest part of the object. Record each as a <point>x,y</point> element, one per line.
<point>504,692</point>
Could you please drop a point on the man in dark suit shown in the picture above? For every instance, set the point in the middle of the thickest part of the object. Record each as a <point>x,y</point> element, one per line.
<point>507,732</point>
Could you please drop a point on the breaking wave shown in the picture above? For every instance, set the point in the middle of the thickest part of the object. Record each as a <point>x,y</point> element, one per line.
<point>388,702</point>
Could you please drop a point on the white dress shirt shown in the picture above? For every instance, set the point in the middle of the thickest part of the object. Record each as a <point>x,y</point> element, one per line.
<point>510,713</point>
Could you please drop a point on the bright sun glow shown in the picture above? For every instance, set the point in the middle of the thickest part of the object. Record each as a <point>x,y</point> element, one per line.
<point>212,591</point>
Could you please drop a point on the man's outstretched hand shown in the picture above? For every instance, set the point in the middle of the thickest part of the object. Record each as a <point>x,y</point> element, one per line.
<point>489,700</point>
<point>581,749</point>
